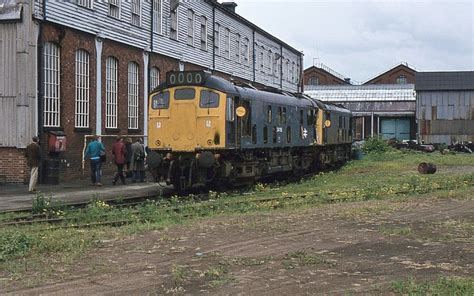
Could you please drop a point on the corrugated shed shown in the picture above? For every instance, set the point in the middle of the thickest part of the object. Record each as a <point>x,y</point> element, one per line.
<point>18,81</point>
<point>363,93</point>
<point>461,80</point>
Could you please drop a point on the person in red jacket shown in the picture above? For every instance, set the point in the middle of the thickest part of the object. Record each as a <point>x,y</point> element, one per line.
<point>118,150</point>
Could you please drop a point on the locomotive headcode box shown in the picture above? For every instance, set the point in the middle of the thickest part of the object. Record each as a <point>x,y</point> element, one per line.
<point>186,77</point>
<point>57,142</point>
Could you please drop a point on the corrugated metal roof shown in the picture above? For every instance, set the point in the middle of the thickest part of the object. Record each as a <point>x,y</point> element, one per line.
<point>363,93</point>
<point>459,80</point>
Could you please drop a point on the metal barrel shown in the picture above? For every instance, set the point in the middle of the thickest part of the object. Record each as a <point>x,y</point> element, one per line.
<point>426,168</point>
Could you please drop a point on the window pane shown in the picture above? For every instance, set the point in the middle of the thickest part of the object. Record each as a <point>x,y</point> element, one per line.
<point>209,99</point>
<point>184,94</point>
<point>161,101</point>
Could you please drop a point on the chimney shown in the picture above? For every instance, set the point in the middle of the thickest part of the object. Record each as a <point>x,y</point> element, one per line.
<point>231,5</point>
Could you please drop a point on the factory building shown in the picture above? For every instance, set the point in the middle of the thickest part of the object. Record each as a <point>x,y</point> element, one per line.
<point>445,106</point>
<point>71,69</point>
<point>383,106</point>
<point>386,110</point>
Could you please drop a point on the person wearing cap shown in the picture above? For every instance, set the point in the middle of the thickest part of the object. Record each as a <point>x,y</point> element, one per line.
<point>33,157</point>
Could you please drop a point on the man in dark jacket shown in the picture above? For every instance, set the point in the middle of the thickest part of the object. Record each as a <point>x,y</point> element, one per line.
<point>118,150</point>
<point>33,156</point>
<point>93,151</point>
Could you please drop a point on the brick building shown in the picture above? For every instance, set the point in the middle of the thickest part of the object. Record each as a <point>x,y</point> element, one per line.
<point>323,75</point>
<point>71,69</point>
<point>399,74</point>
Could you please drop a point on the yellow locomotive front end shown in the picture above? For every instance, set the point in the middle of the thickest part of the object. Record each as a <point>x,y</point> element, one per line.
<point>187,118</point>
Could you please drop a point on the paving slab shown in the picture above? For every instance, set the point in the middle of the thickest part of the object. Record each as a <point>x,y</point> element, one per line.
<point>16,197</point>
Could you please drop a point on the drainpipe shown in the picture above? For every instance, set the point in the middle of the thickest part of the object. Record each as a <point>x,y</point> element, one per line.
<point>281,67</point>
<point>254,57</point>
<point>151,31</point>
<point>301,84</point>
<point>213,37</point>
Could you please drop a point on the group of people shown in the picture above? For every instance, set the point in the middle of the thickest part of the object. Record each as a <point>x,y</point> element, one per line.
<point>126,153</point>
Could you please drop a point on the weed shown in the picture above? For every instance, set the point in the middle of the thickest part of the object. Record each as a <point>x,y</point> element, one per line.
<point>14,244</point>
<point>376,145</point>
<point>46,205</point>
<point>442,286</point>
<point>218,275</point>
<point>302,258</point>
<point>179,273</point>
<point>402,231</point>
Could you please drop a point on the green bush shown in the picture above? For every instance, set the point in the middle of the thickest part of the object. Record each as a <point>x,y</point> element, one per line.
<point>376,145</point>
<point>13,244</point>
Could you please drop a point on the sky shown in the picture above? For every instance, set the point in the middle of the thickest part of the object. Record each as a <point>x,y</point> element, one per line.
<point>361,39</point>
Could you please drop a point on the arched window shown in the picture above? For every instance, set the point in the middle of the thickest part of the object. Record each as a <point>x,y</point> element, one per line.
<point>111,89</point>
<point>51,104</point>
<point>81,117</point>
<point>154,78</point>
<point>133,95</point>
<point>401,79</point>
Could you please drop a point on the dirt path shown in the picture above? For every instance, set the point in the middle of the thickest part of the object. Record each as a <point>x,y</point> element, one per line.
<point>333,249</point>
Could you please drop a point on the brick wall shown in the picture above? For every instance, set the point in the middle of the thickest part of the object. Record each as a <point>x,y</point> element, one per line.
<point>324,77</point>
<point>13,168</point>
<point>69,41</point>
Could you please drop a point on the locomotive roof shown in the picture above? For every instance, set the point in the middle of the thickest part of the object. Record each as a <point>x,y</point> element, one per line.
<point>220,84</point>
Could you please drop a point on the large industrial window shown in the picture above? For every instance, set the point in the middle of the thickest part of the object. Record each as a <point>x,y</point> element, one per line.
<point>133,95</point>
<point>154,78</point>
<point>85,3</point>
<point>203,33</point>
<point>136,12</point>
<point>174,24</point>
<point>157,15</point>
<point>190,27</point>
<point>111,70</point>
<point>81,117</point>
<point>237,48</point>
<point>270,62</point>
<point>114,8</point>
<point>51,64</point>
<point>226,40</point>
<point>246,51</point>
<point>401,79</point>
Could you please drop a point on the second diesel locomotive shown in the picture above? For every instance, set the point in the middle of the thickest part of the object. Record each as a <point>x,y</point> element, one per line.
<point>204,130</point>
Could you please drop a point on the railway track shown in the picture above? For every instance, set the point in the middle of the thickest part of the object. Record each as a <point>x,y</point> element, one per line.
<point>200,200</point>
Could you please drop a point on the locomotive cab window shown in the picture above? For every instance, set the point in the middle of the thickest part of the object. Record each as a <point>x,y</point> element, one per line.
<point>184,94</point>
<point>161,101</point>
<point>209,99</point>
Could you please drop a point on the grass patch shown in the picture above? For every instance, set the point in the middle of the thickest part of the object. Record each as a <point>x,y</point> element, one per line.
<point>303,258</point>
<point>442,286</point>
<point>400,231</point>
<point>378,176</point>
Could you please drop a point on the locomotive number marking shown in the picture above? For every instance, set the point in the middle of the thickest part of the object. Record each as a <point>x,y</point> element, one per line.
<point>158,124</point>
<point>208,123</point>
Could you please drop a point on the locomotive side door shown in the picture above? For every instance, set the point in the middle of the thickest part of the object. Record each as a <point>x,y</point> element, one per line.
<point>244,124</point>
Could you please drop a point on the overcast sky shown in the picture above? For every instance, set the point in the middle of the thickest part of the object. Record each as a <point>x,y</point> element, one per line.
<point>361,39</point>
